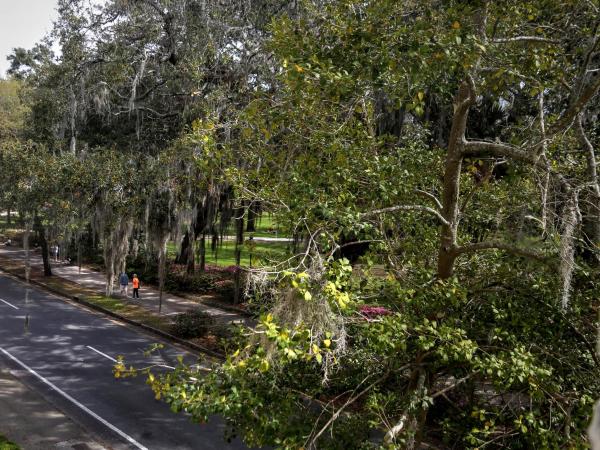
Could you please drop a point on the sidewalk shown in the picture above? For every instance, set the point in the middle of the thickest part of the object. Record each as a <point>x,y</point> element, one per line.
<point>149,300</point>
<point>34,424</point>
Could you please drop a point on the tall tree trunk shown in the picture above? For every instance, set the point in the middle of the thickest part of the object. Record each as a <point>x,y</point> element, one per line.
<point>162,261</point>
<point>186,256</point>
<point>545,184</point>
<point>253,211</point>
<point>239,242</point>
<point>191,266</point>
<point>79,251</point>
<point>451,188</point>
<point>26,247</point>
<point>41,233</point>
<point>182,257</point>
<point>202,251</point>
<point>592,170</point>
<point>8,218</point>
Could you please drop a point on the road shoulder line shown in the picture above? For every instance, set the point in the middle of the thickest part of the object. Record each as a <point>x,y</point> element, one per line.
<point>75,402</point>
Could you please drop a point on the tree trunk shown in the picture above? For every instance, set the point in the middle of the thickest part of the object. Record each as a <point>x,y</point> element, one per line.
<point>135,248</point>
<point>8,219</point>
<point>182,257</point>
<point>592,170</point>
<point>239,242</point>
<point>451,187</point>
<point>202,251</point>
<point>161,272</point>
<point>79,252</point>
<point>26,247</point>
<point>191,266</point>
<point>41,234</point>
<point>252,215</point>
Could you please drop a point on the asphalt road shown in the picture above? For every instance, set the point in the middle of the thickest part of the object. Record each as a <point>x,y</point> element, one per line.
<point>65,352</point>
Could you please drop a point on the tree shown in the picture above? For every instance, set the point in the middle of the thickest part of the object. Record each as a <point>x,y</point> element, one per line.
<point>438,350</point>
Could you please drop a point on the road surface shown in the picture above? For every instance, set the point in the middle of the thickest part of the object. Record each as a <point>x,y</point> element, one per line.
<point>66,353</point>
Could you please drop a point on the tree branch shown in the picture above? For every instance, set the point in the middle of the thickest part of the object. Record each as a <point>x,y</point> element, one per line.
<point>575,108</point>
<point>498,245</point>
<point>537,39</point>
<point>431,197</point>
<point>458,382</point>
<point>477,148</point>
<point>407,208</point>
<point>311,442</point>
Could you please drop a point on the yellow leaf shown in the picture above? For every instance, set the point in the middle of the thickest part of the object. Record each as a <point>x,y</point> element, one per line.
<point>264,365</point>
<point>456,25</point>
<point>327,342</point>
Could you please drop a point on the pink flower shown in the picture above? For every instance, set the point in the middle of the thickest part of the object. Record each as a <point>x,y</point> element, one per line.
<point>371,312</point>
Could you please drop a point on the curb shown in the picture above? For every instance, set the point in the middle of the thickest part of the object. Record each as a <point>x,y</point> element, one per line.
<point>163,334</point>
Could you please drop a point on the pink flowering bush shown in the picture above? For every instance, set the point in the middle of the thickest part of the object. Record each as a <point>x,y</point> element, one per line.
<point>372,312</point>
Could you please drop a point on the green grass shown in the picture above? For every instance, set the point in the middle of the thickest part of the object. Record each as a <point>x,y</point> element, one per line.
<point>5,444</point>
<point>265,225</point>
<point>225,255</point>
<point>6,230</point>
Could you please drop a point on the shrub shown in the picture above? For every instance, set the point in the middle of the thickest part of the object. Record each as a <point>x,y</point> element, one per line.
<point>192,324</point>
<point>225,289</point>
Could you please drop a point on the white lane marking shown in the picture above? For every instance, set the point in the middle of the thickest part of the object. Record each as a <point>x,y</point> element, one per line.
<point>75,402</point>
<point>100,353</point>
<point>12,306</point>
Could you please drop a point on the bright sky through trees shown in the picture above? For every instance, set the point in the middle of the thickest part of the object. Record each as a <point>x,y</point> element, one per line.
<point>22,24</point>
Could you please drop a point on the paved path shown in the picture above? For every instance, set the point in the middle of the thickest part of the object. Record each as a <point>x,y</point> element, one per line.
<point>66,353</point>
<point>149,297</point>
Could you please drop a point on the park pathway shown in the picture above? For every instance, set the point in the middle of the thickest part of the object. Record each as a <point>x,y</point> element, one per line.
<point>149,297</point>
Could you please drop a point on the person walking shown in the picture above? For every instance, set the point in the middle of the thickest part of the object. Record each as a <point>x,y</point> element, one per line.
<point>124,282</point>
<point>54,252</point>
<point>135,282</point>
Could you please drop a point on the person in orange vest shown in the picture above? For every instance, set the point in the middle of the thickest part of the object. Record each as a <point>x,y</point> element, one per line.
<point>136,286</point>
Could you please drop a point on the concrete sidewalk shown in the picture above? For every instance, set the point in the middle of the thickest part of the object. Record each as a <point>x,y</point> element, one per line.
<point>31,422</point>
<point>171,304</point>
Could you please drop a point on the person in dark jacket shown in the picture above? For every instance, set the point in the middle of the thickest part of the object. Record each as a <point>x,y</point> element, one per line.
<point>124,282</point>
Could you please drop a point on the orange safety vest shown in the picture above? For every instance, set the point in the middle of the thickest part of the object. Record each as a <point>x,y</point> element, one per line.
<point>136,283</point>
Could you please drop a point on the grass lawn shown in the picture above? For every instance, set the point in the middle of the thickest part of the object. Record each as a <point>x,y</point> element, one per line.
<point>5,444</point>
<point>5,229</point>
<point>225,255</point>
<point>266,227</point>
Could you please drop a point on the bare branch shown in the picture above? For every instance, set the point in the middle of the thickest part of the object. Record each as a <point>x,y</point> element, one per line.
<point>575,108</point>
<point>536,39</point>
<point>452,386</point>
<point>431,197</point>
<point>343,407</point>
<point>477,148</point>
<point>407,208</point>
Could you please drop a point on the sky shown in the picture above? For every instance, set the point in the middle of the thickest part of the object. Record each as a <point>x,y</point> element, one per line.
<point>22,24</point>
